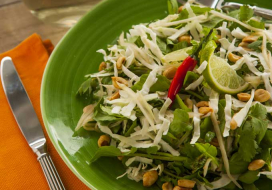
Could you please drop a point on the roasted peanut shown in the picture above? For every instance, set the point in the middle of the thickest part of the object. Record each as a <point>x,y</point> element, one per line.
<point>170,72</point>
<point>189,103</point>
<point>250,39</point>
<point>120,61</point>
<point>104,140</point>
<point>102,66</point>
<point>244,97</point>
<point>233,58</point>
<point>245,46</point>
<point>116,95</point>
<point>181,188</point>
<point>214,142</point>
<point>167,186</point>
<point>202,104</point>
<point>256,164</point>
<point>233,124</point>
<point>186,183</point>
<point>261,95</point>
<point>205,110</point>
<point>150,178</point>
<point>180,9</point>
<point>186,38</point>
<point>119,80</point>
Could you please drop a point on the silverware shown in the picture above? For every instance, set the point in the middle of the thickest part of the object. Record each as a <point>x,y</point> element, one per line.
<point>27,120</point>
<point>220,4</point>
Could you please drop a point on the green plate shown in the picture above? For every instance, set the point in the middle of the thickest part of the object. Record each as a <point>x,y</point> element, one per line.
<point>74,57</point>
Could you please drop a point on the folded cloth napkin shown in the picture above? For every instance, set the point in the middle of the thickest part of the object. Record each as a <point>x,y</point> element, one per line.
<point>19,167</point>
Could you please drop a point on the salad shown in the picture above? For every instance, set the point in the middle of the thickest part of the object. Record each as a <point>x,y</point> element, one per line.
<point>184,102</point>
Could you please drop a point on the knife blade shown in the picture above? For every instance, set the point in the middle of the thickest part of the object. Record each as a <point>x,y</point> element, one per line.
<point>27,120</point>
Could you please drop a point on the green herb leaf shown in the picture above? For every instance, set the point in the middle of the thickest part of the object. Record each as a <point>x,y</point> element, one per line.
<point>237,164</point>
<point>245,13</point>
<point>221,114</point>
<point>212,23</point>
<point>85,87</point>
<point>267,140</point>
<point>163,45</point>
<point>249,177</point>
<point>180,45</point>
<point>208,150</point>
<point>209,136</point>
<point>247,143</point>
<point>205,127</point>
<point>190,77</point>
<point>162,84</point>
<point>172,6</point>
<point>181,104</point>
<point>180,123</point>
<point>256,24</point>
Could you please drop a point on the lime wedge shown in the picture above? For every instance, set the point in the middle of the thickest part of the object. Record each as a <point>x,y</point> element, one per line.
<point>176,56</point>
<point>219,75</point>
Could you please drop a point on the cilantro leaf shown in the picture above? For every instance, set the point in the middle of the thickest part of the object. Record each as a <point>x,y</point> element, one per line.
<point>237,165</point>
<point>256,24</point>
<point>180,45</point>
<point>180,123</point>
<point>267,140</point>
<point>163,45</point>
<point>213,22</point>
<point>205,127</point>
<point>221,114</point>
<point>258,111</point>
<point>247,143</point>
<point>256,46</point>
<point>190,77</point>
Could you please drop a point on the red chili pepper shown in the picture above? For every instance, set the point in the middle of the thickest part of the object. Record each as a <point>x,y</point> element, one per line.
<point>187,65</point>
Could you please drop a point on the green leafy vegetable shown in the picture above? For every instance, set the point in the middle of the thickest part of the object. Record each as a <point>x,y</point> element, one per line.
<point>256,46</point>
<point>163,45</point>
<point>180,123</point>
<point>256,24</point>
<point>237,164</point>
<point>172,6</point>
<point>162,84</point>
<point>247,143</point>
<point>190,77</point>
<point>180,45</point>
<point>212,23</point>
<point>267,140</point>
<point>249,177</point>
<point>205,127</point>
<point>181,104</point>
<point>245,13</point>
<point>209,136</point>
<point>85,87</point>
<point>208,150</point>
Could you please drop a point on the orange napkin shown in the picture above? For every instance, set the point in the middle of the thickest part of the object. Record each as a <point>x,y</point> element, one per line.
<point>19,167</point>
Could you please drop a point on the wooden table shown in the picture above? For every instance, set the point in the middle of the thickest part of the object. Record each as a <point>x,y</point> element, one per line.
<point>17,23</point>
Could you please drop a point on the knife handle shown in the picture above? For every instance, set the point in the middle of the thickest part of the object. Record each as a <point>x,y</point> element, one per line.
<point>50,173</point>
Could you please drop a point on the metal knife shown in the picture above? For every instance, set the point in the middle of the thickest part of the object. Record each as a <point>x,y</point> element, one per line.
<point>220,4</point>
<point>27,120</point>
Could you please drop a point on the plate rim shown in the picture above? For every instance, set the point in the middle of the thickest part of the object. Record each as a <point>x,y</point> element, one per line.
<point>42,103</point>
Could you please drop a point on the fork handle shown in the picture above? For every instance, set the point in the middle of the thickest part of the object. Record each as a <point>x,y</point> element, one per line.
<point>266,13</point>
<point>50,172</point>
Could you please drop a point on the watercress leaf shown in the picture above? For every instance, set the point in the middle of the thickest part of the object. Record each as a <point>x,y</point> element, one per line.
<point>162,84</point>
<point>172,6</point>
<point>256,24</point>
<point>234,14</point>
<point>190,151</point>
<point>180,123</point>
<point>209,136</point>
<point>247,143</point>
<point>237,165</point>
<point>245,13</point>
<point>249,177</point>
<point>208,150</point>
